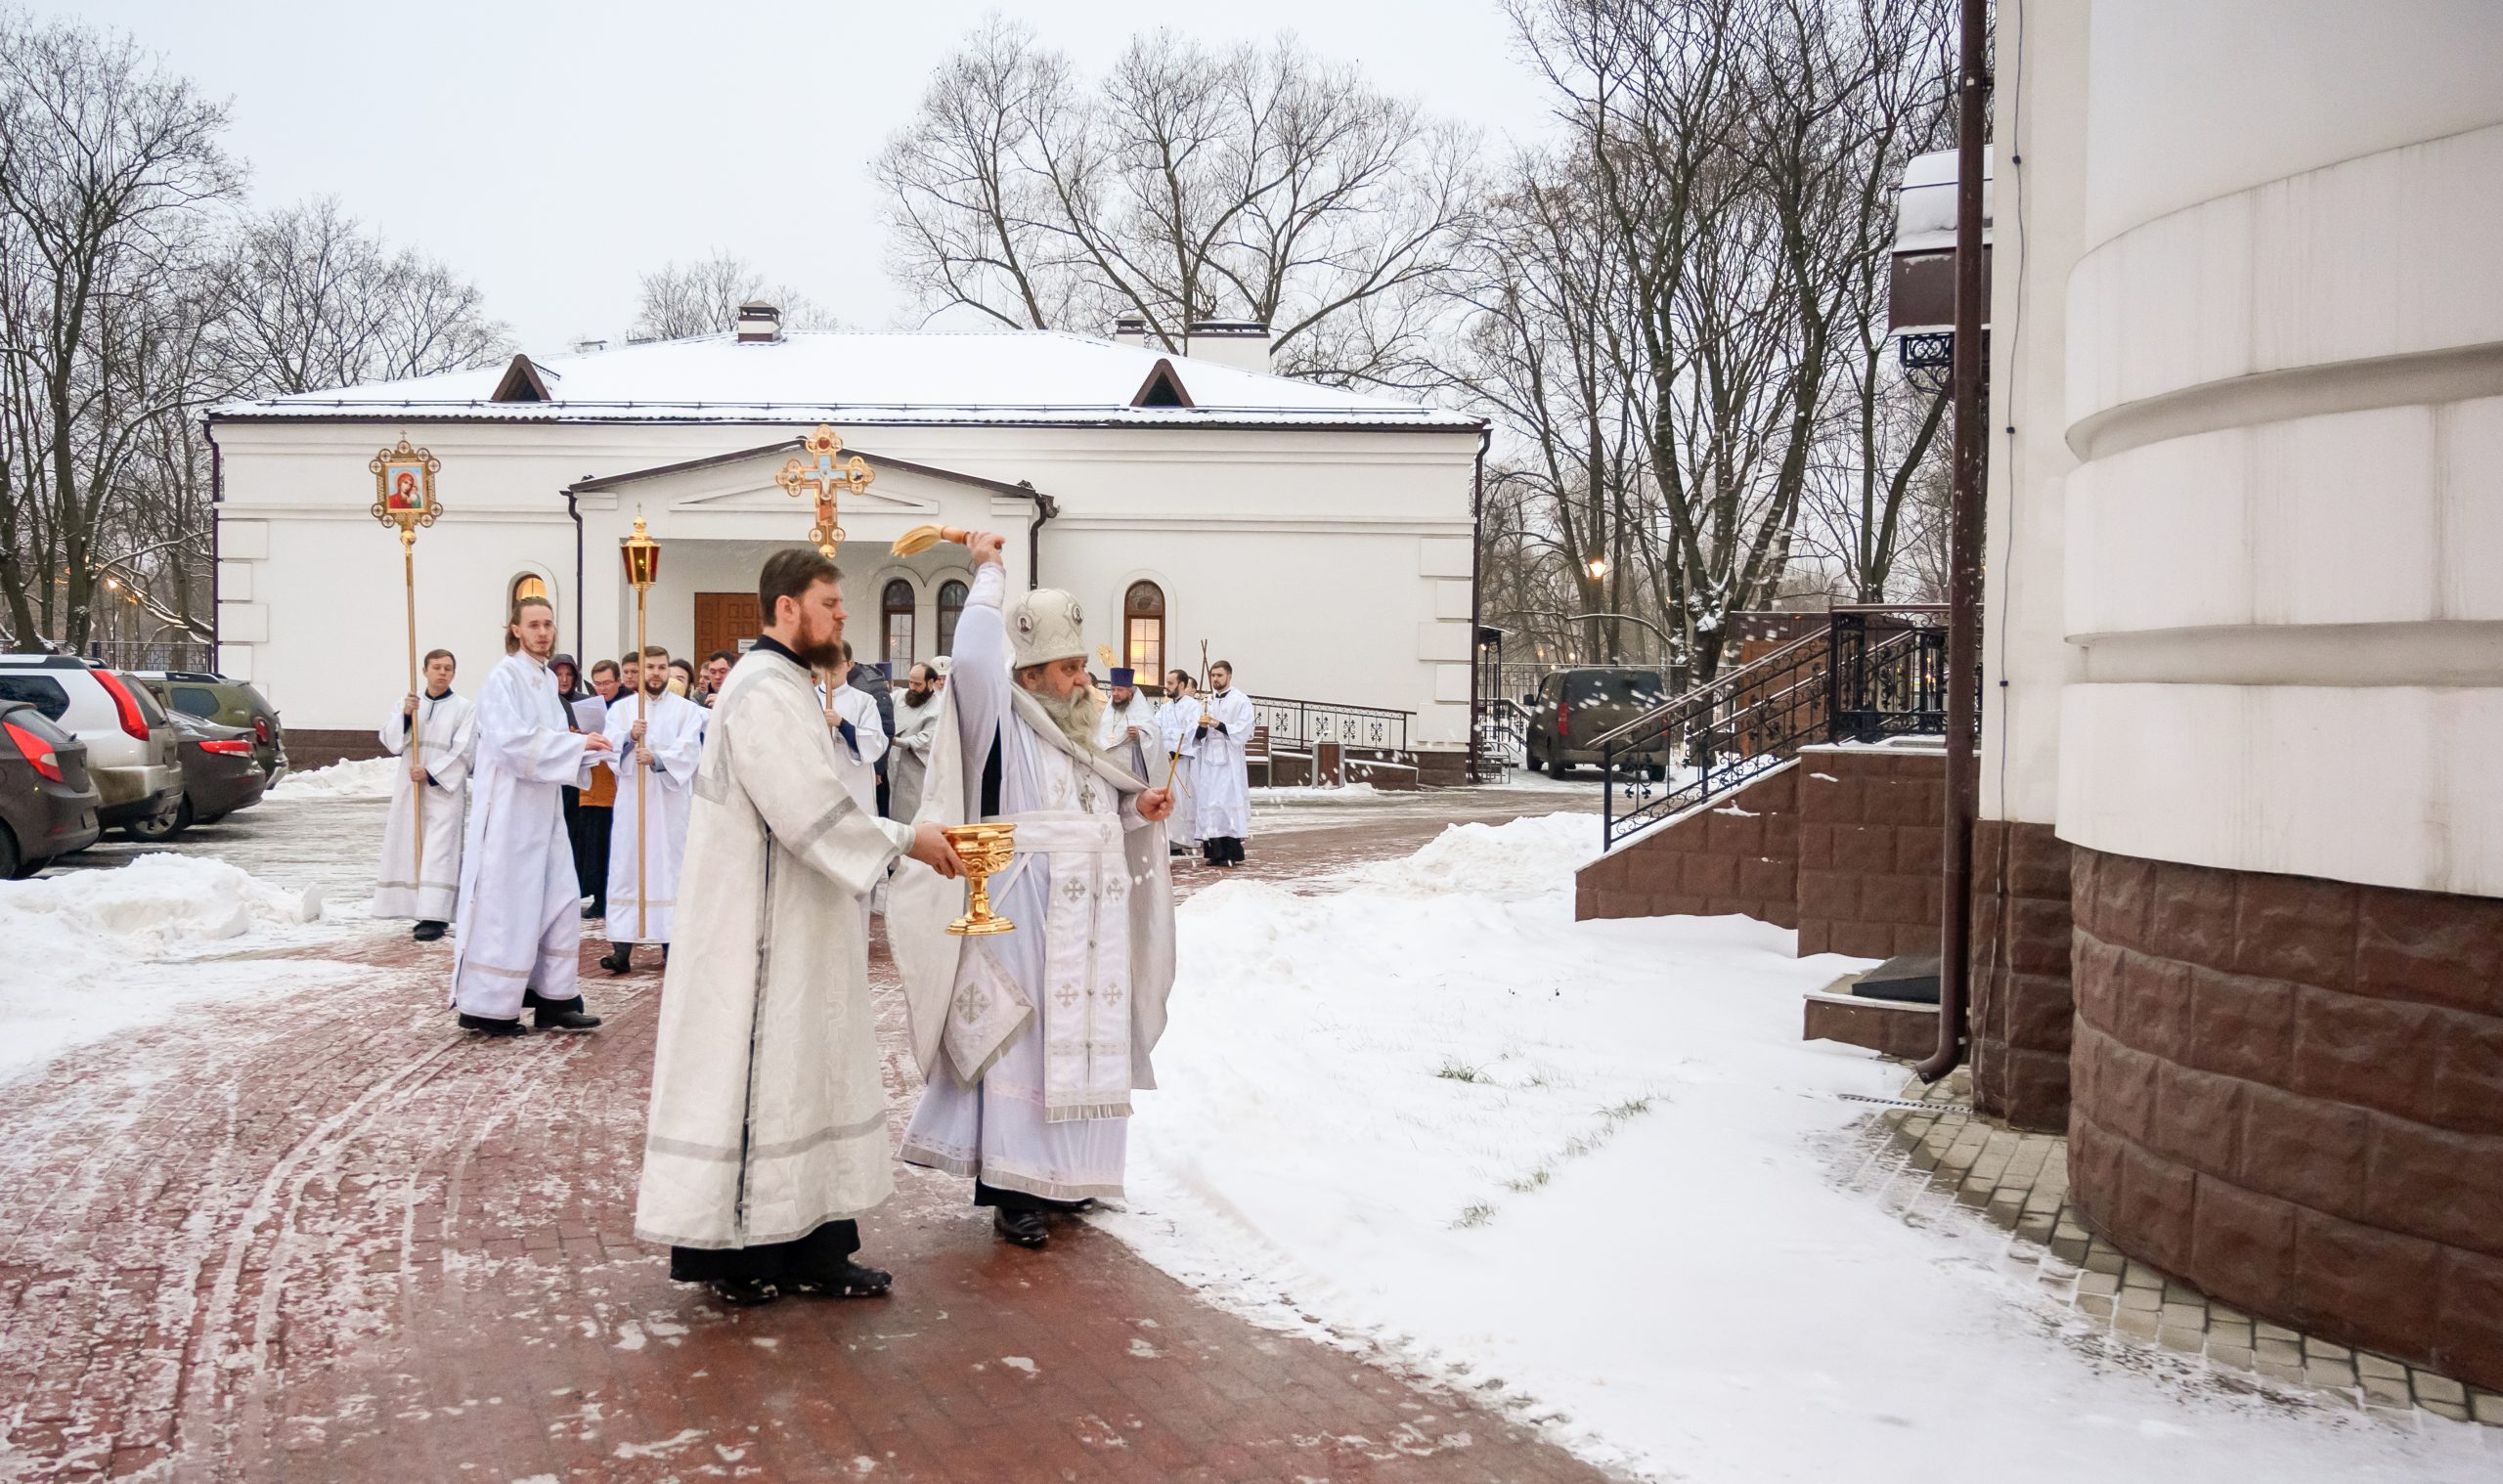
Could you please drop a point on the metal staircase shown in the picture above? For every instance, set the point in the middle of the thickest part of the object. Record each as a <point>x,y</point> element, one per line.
<point>1874,671</point>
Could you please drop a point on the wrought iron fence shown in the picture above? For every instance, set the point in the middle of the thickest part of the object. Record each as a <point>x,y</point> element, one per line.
<point>152,654</point>
<point>1871,672</point>
<point>1503,735</point>
<point>1296,725</point>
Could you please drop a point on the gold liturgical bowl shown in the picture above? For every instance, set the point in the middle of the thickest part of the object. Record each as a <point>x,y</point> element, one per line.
<point>984,848</point>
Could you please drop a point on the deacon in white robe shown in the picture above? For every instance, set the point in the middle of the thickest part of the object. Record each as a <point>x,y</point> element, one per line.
<point>1129,717</point>
<point>665,759</point>
<point>437,732</point>
<point>1220,777</point>
<point>768,1130</point>
<point>908,756</point>
<point>1177,724</point>
<point>1031,1040</point>
<point>518,938</point>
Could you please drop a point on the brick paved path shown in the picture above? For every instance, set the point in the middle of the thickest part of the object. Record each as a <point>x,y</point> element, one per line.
<point>332,1239</point>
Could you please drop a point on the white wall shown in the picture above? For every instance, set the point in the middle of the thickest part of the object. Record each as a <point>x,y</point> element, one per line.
<point>1323,563</point>
<point>2284,387</point>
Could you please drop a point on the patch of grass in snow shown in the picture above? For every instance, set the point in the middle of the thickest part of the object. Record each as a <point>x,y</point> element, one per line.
<point>1455,1069</point>
<point>1476,1214</point>
<point>1612,1118</point>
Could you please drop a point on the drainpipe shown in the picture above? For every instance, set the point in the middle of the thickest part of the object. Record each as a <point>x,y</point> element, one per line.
<point>1046,507</point>
<point>216,536</point>
<point>1965,567</point>
<point>581,641</point>
<point>1476,560</point>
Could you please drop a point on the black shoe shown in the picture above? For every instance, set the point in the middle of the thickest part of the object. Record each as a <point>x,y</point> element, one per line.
<point>1023,1228</point>
<point>593,911</point>
<point>557,1015</point>
<point>427,932</point>
<point>853,1282</point>
<point>743,1292</point>
<point>486,1027</point>
<point>619,959</point>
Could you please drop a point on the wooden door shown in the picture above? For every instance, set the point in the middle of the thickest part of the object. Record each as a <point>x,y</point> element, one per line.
<point>722,620</point>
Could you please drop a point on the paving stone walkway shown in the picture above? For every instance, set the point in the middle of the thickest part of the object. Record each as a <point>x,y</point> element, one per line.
<point>328,1237</point>
<point>1933,1151</point>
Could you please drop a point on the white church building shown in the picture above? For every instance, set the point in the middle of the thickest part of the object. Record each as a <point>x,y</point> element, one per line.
<point>1318,538</point>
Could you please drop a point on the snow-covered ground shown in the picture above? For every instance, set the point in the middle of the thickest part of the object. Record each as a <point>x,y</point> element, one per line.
<point>1590,1168</point>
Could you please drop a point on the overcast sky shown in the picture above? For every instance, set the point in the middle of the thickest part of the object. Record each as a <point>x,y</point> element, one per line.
<point>551,151</point>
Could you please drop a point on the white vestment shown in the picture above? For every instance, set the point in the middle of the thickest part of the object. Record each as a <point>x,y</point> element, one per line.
<point>909,756</point>
<point>857,761</point>
<point>674,732</point>
<point>1115,729</point>
<point>1220,778</point>
<point>520,921</point>
<point>1032,1040</point>
<point>447,734</point>
<point>768,1114</point>
<point>1178,758</point>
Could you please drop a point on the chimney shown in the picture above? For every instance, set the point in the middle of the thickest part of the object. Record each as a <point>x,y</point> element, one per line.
<point>760,323</point>
<point>1243,344</point>
<point>1131,330</point>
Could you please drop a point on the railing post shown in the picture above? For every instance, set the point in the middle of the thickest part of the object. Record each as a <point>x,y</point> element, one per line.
<point>1607,797</point>
<point>1833,677</point>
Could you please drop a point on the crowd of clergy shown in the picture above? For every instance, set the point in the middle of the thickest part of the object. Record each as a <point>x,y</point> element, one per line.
<point>793,796</point>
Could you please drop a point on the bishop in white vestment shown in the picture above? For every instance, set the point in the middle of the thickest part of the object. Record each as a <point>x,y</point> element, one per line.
<point>665,760</point>
<point>1032,1041</point>
<point>518,940</point>
<point>436,732</point>
<point>1220,776</point>
<point>768,1130</point>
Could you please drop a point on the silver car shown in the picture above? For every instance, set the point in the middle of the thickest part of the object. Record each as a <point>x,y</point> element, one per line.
<point>130,740</point>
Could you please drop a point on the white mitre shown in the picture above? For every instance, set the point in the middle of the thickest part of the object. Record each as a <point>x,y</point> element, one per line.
<point>1044,626</point>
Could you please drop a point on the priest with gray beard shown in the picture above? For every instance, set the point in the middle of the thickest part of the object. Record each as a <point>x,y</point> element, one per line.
<point>1032,1041</point>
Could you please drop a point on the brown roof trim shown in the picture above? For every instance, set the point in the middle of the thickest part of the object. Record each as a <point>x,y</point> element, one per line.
<point>522,383</point>
<point>741,456</point>
<point>1163,384</point>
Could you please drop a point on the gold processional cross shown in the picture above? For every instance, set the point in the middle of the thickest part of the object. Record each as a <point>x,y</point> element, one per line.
<point>822,472</point>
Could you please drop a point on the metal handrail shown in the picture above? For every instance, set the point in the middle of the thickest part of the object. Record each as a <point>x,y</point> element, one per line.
<point>1764,663</point>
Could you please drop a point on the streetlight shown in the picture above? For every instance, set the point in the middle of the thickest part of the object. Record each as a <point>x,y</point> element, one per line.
<point>1598,567</point>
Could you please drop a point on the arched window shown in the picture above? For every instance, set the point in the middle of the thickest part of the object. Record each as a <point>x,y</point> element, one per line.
<point>951,607</point>
<point>1143,628</point>
<point>896,606</point>
<point>528,585</point>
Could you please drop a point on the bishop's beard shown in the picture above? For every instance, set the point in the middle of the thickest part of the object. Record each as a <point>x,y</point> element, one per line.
<point>1077,715</point>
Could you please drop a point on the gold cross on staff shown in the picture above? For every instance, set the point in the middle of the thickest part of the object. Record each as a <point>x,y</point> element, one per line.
<point>822,473</point>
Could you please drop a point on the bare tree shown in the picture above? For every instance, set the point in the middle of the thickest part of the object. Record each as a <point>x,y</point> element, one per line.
<point>1189,184</point>
<point>703,298</point>
<point>106,164</point>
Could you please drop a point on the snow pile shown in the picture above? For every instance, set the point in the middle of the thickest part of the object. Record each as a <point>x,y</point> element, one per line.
<point>1586,1170</point>
<point>363,779</point>
<point>103,950</point>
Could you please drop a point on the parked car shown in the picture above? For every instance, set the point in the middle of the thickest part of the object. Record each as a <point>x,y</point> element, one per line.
<point>220,776</point>
<point>228,703</point>
<point>1574,708</point>
<point>47,801</point>
<point>130,740</point>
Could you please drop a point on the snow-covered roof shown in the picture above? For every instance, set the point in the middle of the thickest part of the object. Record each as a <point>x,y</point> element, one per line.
<point>1925,210</point>
<point>1002,378</point>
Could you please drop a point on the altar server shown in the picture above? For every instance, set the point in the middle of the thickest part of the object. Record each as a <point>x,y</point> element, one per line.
<point>1032,1040</point>
<point>437,733</point>
<point>1177,724</point>
<point>648,822</point>
<point>518,940</point>
<point>1220,776</point>
<point>861,738</point>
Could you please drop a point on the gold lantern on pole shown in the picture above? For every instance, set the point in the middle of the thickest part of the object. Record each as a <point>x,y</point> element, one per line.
<point>404,498</point>
<point>824,471</point>
<point>642,556</point>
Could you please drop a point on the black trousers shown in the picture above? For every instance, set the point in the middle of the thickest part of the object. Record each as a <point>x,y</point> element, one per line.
<point>1221,850</point>
<point>819,1255</point>
<point>1018,1201</point>
<point>588,828</point>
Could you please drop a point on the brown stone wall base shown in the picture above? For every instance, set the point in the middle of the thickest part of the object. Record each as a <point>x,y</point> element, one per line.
<point>1869,849</point>
<point>1735,853</point>
<point>2289,1092</point>
<point>2020,975</point>
<point>308,749</point>
<point>1892,1028</point>
<point>1434,768</point>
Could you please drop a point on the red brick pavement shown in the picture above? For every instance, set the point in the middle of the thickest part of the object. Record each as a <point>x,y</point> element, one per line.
<point>329,1238</point>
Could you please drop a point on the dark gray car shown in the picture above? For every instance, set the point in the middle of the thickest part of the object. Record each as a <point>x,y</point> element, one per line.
<point>1575,707</point>
<point>221,773</point>
<point>47,801</point>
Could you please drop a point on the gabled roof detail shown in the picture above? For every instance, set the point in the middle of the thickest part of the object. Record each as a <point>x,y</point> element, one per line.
<point>768,452</point>
<point>1162,387</point>
<point>524,382</point>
